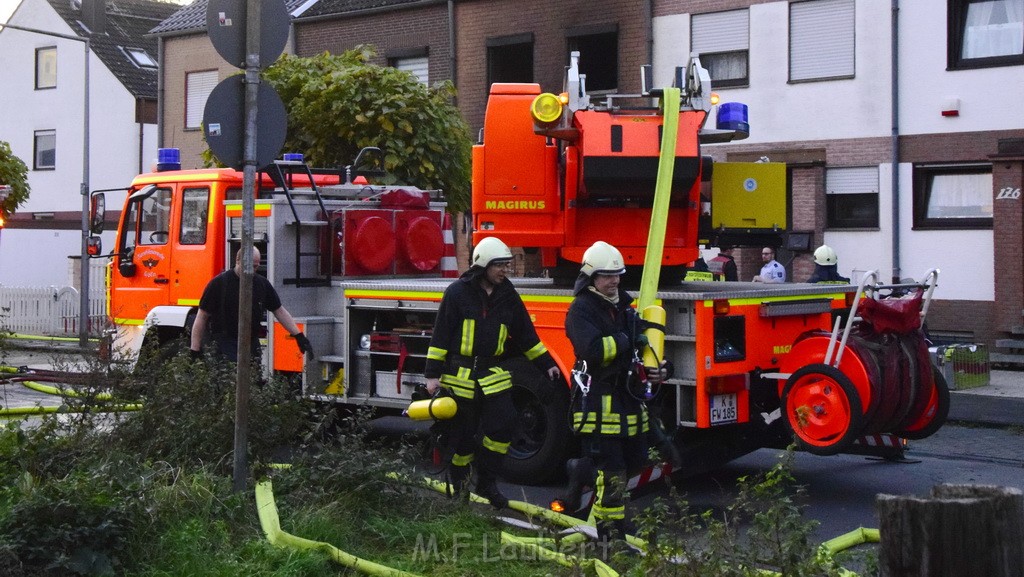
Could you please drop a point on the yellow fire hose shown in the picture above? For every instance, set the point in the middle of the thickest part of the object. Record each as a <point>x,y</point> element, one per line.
<point>271,524</point>
<point>63,392</point>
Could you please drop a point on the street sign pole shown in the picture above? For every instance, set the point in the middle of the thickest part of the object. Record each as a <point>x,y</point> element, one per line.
<point>252,84</point>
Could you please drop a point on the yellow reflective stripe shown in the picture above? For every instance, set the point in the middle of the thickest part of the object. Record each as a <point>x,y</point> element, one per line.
<point>492,445</point>
<point>188,302</point>
<point>437,354</point>
<point>500,380</point>
<point>581,427</point>
<point>119,321</point>
<point>761,301</point>
<point>546,299</point>
<point>502,337</point>
<point>404,295</point>
<point>610,350</point>
<point>609,513</point>
<point>462,460</point>
<point>468,328</point>
<point>537,350</point>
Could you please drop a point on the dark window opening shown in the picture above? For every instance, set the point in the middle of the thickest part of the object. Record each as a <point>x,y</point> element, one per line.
<point>599,59</point>
<point>852,210</point>
<point>509,62</point>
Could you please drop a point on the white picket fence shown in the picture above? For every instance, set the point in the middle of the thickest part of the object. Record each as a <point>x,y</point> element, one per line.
<point>54,311</point>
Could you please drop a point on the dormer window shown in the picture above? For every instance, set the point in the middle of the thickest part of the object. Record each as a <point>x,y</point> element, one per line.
<point>140,57</point>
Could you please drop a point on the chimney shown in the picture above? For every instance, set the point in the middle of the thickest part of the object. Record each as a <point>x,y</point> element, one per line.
<point>94,15</point>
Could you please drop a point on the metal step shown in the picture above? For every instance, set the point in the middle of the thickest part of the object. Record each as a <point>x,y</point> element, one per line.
<point>1010,344</point>
<point>1007,359</point>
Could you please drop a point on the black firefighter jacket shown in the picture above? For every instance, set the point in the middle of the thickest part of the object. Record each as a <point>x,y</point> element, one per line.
<point>471,333</point>
<point>603,334</point>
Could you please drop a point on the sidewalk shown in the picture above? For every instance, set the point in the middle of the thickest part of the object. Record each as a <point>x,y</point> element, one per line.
<point>999,403</point>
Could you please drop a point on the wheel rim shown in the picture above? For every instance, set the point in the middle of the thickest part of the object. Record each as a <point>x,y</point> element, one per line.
<point>531,425</point>
<point>818,410</point>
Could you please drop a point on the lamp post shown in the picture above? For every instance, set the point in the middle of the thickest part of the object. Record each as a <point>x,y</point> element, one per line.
<point>83,316</point>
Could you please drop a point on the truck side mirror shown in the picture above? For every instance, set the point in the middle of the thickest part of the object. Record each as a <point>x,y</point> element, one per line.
<point>94,246</point>
<point>97,210</point>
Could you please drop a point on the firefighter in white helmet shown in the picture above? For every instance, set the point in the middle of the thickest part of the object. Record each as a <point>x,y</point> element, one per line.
<point>480,318</point>
<point>610,416</point>
<point>826,264</point>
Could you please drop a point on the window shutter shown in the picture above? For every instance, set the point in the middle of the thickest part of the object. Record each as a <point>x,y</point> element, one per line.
<point>821,39</point>
<point>858,180</point>
<point>720,32</point>
<point>199,85</point>
<point>417,66</point>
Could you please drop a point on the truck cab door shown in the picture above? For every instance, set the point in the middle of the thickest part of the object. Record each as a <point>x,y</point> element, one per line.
<point>140,278</point>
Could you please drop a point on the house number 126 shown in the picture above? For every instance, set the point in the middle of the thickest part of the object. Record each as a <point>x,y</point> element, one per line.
<point>1008,193</point>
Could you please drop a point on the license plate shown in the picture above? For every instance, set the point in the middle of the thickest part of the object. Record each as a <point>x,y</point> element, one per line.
<point>723,408</point>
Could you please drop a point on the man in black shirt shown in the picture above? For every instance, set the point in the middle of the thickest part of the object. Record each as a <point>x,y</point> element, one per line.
<point>218,312</point>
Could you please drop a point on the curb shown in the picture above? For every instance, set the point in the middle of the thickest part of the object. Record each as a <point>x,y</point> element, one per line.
<point>1000,411</point>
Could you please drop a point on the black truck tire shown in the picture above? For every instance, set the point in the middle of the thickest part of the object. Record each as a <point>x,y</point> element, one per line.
<point>542,439</point>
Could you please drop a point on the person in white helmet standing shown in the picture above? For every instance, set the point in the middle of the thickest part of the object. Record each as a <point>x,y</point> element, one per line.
<point>610,416</point>
<point>478,314</point>
<point>826,264</point>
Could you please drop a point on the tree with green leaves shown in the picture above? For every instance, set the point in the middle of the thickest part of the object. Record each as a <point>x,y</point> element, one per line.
<point>339,104</point>
<point>14,174</point>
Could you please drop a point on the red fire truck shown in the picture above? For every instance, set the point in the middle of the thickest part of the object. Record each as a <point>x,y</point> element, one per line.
<point>362,268</point>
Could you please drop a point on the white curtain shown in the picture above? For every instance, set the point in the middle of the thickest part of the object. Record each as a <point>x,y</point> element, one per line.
<point>994,28</point>
<point>960,196</point>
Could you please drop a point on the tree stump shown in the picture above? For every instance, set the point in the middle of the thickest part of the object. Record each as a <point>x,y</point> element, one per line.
<point>959,531</point>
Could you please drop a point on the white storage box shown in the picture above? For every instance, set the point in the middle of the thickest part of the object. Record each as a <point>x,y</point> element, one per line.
<point>386,384</point>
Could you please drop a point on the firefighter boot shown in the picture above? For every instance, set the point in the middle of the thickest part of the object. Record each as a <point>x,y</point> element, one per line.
<point>611,537</point>
<point>581,473</point>
<point>458,481</point>
<point>487,487</point>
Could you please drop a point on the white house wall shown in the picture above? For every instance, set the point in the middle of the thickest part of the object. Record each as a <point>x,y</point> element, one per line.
<point>113,135</point>
<point>779,111</point>
<point>826,113</point>
<point>990,98</point>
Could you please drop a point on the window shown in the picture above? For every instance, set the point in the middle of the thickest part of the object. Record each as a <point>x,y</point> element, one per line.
<point>198,86</point>
<point>140,57</point>
<point>510,59</point>
<point>415,61</point>
<point>46,67</point>
<point>195,208</point>
<point>953,196</point>
<point>985,33</point>
<point>417,66</point>
<point>821,40</point>
<point>723,39</point>
<point>851,197</point>
<point>599,55</point>
<point>45,157</point>
<point>155,217</point>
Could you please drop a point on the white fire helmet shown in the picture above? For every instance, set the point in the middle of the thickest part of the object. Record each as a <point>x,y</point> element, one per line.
<point>489,251</point>
<point>824,255</point>
<point>602,258</point>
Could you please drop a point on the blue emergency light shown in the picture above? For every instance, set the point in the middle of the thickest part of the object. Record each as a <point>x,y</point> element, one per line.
<point>733,116</point>
<point>168,159</point>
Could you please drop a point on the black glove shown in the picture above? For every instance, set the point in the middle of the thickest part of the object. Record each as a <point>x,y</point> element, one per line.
<point>304,345</point>
<point>195,355</point>
<point>642,341</point>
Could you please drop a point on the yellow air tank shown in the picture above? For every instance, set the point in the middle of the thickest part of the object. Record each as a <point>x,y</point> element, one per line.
<point>654,354</point>
<point>437,408</point>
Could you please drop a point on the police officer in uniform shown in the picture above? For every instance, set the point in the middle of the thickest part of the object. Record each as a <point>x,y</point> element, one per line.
<point>478,313</point>
<point>607,337</point>
<point>772,271</point>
